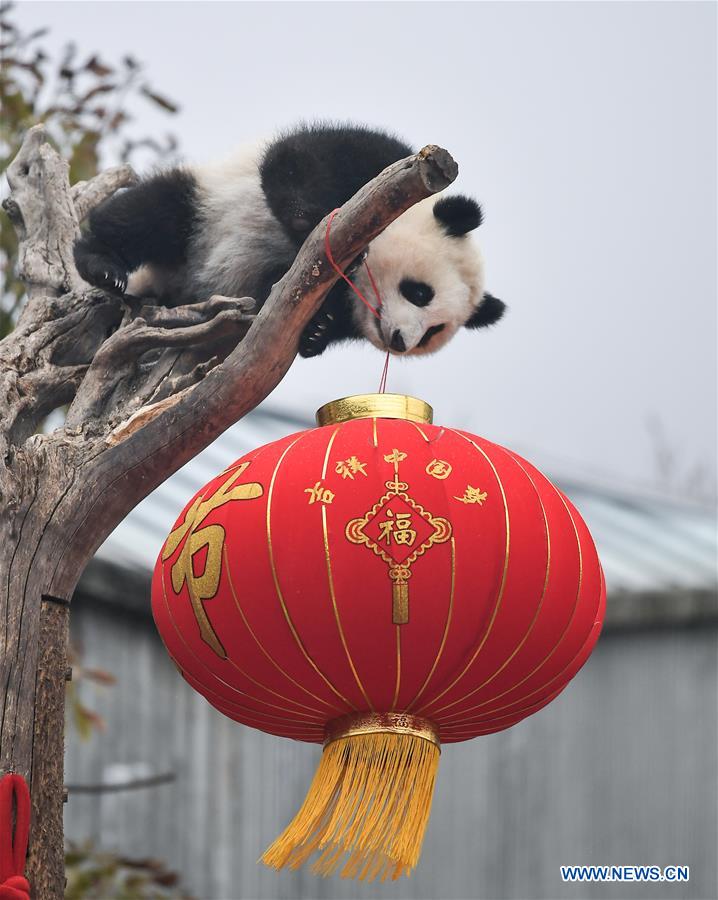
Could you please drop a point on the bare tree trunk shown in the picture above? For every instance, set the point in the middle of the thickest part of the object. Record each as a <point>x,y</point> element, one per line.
<point>46,864</point>
<point>129,425</point>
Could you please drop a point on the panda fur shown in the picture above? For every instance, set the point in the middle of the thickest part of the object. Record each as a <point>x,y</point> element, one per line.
<point>234,228</point>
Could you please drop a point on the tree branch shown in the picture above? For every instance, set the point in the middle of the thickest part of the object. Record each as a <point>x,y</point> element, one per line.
<point>111,787</point>
<point>120,354</point>
<point>44,363</point>
<point>41,209</point>
<point>195,313</point>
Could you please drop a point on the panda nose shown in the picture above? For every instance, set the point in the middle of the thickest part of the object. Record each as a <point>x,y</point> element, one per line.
<point>397,342</point>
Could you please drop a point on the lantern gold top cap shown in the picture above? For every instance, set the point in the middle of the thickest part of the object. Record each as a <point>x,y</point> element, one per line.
<point>375,406</point>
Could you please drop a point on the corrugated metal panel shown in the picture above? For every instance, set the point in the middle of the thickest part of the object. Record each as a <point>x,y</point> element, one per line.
<point>646,543</point>
<point>620,769</point>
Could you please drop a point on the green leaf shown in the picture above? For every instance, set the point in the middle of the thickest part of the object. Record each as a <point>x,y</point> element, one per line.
<point>84,160</point>
<point>16,110</point>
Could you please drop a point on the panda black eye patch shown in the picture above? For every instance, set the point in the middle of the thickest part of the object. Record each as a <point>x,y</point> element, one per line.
<point>429,334</point>
<point>417,292</point>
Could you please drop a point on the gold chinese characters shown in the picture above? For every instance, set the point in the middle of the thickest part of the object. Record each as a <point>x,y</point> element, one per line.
<point>204,587</point>
<point>472,495</point>
<point>348,468</point>
<point>319,493</point>
<point>439,468</point>
<point>398,527</point>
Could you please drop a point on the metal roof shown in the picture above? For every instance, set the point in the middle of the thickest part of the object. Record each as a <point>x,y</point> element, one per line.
<point>647,542</point>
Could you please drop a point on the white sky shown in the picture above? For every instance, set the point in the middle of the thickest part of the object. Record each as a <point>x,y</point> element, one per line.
<point>587,131</point>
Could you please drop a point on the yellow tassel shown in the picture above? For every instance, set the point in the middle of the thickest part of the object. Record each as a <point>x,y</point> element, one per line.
<point>369,803</point>
<point>400,603</point>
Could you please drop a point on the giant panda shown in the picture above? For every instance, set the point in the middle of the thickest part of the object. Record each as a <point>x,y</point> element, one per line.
<point>234,228</point>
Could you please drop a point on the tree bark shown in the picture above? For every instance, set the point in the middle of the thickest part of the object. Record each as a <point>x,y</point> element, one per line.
<point>129,425</point>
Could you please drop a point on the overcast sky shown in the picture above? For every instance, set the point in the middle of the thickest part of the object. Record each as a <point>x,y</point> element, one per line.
<point>587,131</point>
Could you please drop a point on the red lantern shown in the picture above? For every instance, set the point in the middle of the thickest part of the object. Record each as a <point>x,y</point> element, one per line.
<point>379,585</point>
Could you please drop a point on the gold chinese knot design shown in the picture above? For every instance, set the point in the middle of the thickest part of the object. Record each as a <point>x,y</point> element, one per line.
<point>204,586</point>
<point>399,530</point>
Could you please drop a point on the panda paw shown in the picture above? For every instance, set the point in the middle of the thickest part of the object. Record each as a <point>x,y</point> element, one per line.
<point>110,278</point>
<point>102,272</point>
<point>317,336</point>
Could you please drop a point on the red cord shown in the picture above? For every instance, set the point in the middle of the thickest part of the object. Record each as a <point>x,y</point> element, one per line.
<point>385,372</point>
<point>340,271</point>
<point>373,284</point>
<point>374,310</point>
<point>13,842</point>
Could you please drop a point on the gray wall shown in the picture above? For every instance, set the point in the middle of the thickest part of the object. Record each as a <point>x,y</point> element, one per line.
<point>621,769</point>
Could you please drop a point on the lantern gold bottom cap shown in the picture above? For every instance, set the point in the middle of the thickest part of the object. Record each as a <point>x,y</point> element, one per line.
<point>381,723</point>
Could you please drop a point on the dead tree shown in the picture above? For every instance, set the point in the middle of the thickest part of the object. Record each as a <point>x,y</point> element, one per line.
<point>147,388</point>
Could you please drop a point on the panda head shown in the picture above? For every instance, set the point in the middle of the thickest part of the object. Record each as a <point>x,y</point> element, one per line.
<point>430,277</point>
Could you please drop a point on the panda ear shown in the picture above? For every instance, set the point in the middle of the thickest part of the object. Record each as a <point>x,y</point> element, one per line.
<point>458,215</point>
<point>488,312</point>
